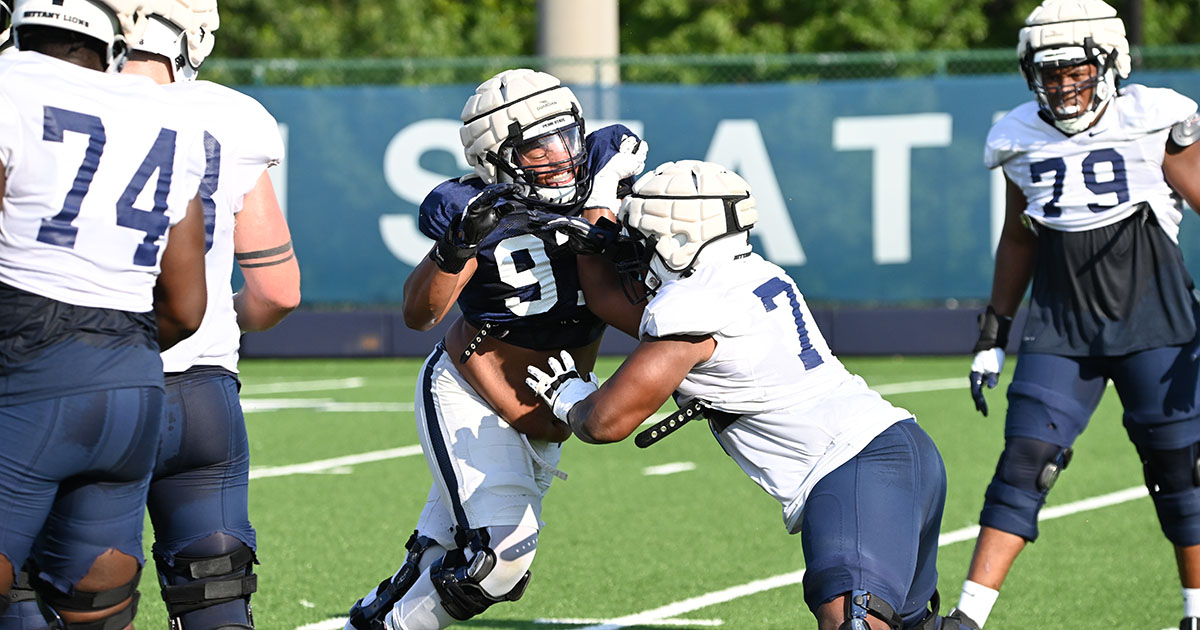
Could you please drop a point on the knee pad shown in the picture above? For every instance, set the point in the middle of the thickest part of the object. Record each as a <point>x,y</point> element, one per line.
<point>368,612</point>
<point>457,579</point>
<point>20,593</point>
<point>54,602</point>
<point>861,603</point>
<point>211,572</point>
<point>1173,478</point>
<point>1026,472</point>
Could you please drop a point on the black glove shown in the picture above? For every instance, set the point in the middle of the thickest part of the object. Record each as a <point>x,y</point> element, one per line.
<point>583,237</point>
<point>989,355</point>
<point>461,239</point>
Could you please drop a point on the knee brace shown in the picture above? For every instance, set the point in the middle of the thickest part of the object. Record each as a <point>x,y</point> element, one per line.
<point>1173,478</point>
<point>214,571</point>
<point>20,592</point>
<point>54,602</point>
<point>457,579</point>
<point>1026,472</point>
<point>860,603</point>
<point>368,612</point>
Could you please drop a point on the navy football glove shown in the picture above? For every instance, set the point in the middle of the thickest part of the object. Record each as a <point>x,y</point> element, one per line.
<point>466,231</point>
<point>989,355</point>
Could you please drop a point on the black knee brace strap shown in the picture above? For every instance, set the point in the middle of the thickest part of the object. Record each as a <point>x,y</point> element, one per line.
<point>53,602</point>
<point>1032,464</point>
<point>21,591</point>
<point>370,616</point>
<point>1171,470</point>
<point>861,603</point>
<point>457,582</point>
<point>219,579</point>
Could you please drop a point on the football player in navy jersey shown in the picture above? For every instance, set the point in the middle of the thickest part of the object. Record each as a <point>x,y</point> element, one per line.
<point>1095,172</point>
<point>91,289</point>
<point>493,447</point>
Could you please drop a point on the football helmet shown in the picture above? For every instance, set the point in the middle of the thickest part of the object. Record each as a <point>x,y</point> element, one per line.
<point>1062,34</point>
<point>688,212</point>
<point>113,22</point>
<point>524,126</point>
<point>5,21</point>
<point>181,31</point>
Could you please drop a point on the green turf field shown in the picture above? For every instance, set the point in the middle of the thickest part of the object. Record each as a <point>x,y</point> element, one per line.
<point>338,481</point>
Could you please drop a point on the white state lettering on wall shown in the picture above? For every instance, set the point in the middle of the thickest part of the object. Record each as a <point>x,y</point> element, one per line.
<point>404,175</point>
<point>738,145</point>
<point>891,140</point>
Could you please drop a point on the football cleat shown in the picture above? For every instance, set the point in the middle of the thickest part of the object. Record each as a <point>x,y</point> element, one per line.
<point>1189,623</point>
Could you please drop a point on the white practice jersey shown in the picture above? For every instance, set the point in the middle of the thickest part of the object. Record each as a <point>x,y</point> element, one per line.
<point>802,413</point>
<point>241,139</point>
<point>98,167</point>
<point>1098,176</point>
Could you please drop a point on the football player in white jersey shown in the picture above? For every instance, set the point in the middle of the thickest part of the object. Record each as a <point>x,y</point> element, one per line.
<point>730,335</point>
<point>198,495</point>
<point>96,170</point>
<point>1095,172</point>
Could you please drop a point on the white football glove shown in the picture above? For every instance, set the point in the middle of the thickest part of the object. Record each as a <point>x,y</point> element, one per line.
<point>985,369</point>
<point>629,161</point>
<point>563,387</point>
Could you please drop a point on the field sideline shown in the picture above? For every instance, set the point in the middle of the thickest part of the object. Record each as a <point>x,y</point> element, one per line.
<point>672,536</point>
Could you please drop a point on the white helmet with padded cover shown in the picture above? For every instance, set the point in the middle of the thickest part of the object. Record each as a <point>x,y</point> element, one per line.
<point>181,31</point>
<point>5,21</point>
<point>1061,33</point>
<point>687,209</point>
<point>524,126</point>
<point>112,22</point>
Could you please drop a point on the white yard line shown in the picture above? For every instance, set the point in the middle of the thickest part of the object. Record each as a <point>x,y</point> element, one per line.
<point>668,469</point>
<point>304,386</point>
<point>923,386</point>
<point>325,465</point>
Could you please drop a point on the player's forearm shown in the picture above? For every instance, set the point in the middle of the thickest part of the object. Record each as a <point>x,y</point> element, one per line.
<point>1014,269</point>
<point>602,290</point>
<point>178,314</point>
<point>429,293</point>
<point>259,311</point>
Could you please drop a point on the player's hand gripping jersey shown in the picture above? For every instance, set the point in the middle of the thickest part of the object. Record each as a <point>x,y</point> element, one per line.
<point>241,139</point>
<point>124,162</point>
<point>1109,278</point>
<point>1098,176</point>
<point>527,282</point>
<point>801,413</point>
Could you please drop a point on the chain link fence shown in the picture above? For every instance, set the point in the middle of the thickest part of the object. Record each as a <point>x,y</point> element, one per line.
<point>671,69</point>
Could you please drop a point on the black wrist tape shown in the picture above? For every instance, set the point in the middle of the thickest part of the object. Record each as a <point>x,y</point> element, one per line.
<point>993,330</point>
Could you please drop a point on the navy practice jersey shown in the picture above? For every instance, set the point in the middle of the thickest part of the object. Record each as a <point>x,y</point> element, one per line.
<point>527,283</point>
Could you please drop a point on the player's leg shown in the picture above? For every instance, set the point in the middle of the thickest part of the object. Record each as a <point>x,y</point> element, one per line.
<point>1050,401</point>
<point>29,498</point>
<point>86,563</point>
<point>204,545</point>
<point>484,506</point>
<point>869,534</point>
<point>1159,392</point>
